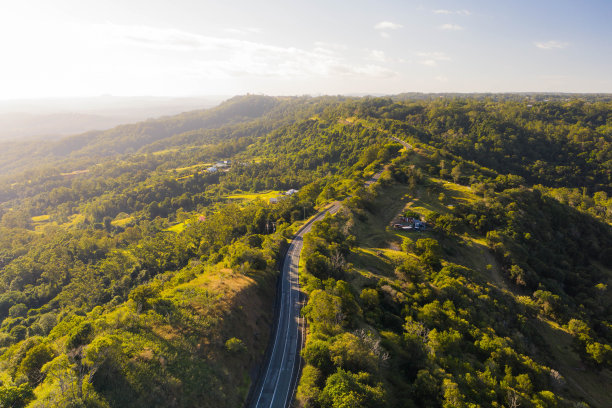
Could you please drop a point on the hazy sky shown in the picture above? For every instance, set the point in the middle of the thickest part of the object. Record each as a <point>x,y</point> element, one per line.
<point>65,48</point>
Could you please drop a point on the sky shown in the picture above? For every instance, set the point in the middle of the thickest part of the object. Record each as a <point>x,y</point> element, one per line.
<point>76,48</point>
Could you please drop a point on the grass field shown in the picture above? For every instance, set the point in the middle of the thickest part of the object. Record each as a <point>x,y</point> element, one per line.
<point>265,195</point>
<point>584,383</point>
<point>41,218</point>
<point>242,197</point>
<point>122,222</point>
<point>177,227</point>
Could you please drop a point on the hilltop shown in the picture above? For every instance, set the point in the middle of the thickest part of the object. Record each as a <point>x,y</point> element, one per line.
<point>132,273</point>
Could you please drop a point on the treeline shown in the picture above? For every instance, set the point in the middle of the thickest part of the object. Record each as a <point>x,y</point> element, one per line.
<point>122,257</point>
<point>556,143</point>
<point>436,333</point>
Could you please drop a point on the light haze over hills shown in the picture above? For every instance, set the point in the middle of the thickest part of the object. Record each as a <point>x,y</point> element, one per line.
<point>55,117</point>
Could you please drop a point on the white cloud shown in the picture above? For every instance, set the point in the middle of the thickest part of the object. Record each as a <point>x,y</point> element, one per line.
<point>243,30</point>
<point>429,62</point>
<point>384,34</point>
<point>436,55</point>
<point>550,45</point>
<point>216,57</point>
<point>432,58</point>
<point>387,25</point>
<point>377,55</point>
<point>330,46</point>
<point>450,27</point>
<point>442,78</point>
<point>457,12</point>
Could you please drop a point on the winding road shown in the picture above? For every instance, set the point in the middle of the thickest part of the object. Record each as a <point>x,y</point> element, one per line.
<point>283,367</point>
<point>407,145</point>
<point>276,387</point>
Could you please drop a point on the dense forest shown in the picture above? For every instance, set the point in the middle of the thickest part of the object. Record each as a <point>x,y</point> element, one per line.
<point>138,265</point>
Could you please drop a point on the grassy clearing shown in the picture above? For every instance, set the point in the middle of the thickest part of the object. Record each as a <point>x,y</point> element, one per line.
<point>41,218</point>
<point>590,385</point>
<point>373,232</point>
<point>427,199</point>
<point>166,151</point>
<point>368,262</point>
<point>123,222</point>
<point>379,253</point>
<point>194,167</point>
<point>74,220</point>
<point>455,192</point>
<point>265,195</point>
<point>177,227</point>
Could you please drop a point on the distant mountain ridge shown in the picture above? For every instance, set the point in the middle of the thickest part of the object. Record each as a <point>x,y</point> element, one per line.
<point>56,117</point>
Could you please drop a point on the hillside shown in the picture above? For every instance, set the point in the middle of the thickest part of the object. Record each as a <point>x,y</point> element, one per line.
<point>134,273</point>
<point>444,317</point>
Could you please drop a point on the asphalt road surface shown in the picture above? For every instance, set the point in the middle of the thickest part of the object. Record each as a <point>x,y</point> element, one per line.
<point>375,177</point>
<point>281,374</point>
<point>406,145</point>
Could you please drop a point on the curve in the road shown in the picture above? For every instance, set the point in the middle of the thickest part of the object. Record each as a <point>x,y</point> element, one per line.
<point>280,377</point>
<point>277,387</point>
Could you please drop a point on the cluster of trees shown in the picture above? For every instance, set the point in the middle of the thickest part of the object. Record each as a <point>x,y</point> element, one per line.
<point>552,250</point>
<point>122,258</point>
<point>101,302</point>
<point>557,144</point>
<point>436,333</point>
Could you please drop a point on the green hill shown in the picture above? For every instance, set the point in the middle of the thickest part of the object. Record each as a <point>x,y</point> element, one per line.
<point>134,274</point>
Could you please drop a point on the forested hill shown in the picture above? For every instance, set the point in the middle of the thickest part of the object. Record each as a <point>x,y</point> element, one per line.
<point>138,265</point>
<point>130,138</point>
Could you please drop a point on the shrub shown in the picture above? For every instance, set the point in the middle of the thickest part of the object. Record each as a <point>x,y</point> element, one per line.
<point>235,346</point>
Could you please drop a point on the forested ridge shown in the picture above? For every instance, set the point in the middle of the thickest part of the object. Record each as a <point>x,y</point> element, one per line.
<point>138,265</point>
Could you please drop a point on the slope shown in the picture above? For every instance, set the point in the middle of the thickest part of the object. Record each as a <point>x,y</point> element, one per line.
<point>436,318</point>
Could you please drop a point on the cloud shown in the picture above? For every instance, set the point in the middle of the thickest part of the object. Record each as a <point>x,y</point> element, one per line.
<point>457,12</point>
<point>435,55</point>
<point>384,26</point>
<point>218,57</point>
<point>387,25</point>
<point>243,30</point>
<point>330,45</point>
<point>377,55</point>
<point>551,45</point>
<point>429,62</point>
<point>450,27</point>
<point>432,58</point>
<point>441,78</point>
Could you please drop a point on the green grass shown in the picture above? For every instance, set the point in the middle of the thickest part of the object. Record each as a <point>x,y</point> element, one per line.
<point>74,220</point>
<point>177,227</point>
<point>166,151</point>
<point>41,218</point>
<point>379,253</point>
<point>265,195</point>
<point>376,262</point>
<point>195,166</point>
<point>590,385</point>
<point>122,222</point>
